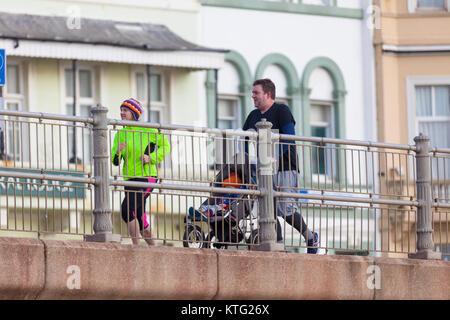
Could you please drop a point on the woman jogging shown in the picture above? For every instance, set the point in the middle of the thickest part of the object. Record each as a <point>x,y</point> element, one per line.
<point>140,149</point>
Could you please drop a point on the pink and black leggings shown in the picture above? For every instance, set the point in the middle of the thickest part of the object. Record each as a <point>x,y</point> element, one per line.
<point>134,202</point>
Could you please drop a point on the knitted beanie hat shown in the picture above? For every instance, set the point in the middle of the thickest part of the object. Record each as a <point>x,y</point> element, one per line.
<point>134,106</point>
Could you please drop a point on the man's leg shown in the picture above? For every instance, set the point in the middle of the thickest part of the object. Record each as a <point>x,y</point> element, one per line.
<point>296,220</point>
<point>279,229</point>
<point>287,181</point>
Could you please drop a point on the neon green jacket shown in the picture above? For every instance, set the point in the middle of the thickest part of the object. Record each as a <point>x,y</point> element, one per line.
<point>139,141</point>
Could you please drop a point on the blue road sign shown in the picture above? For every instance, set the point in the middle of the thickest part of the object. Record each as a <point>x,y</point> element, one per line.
<point>2,67</point>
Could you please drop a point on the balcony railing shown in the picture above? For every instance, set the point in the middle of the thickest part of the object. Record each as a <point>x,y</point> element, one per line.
<point>360,197</point>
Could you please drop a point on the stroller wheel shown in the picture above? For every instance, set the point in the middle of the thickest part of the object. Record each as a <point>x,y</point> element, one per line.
<point>254,237</point>
<point>193,237</point>
<point>212,242</point>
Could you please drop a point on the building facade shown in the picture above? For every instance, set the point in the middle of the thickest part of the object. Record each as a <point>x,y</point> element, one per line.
<point>412,57</point>
<point>317,52</point>
<point>320,56</point>
<point>202,58</point>
<point>412,50</point>
<point>64,57</point>
<point>40,61</point>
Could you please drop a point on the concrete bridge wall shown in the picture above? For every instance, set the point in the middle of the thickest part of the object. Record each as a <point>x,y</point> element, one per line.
<point>46,269</point>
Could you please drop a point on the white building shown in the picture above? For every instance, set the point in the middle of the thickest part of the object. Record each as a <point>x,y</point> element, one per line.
<point>319,53</point>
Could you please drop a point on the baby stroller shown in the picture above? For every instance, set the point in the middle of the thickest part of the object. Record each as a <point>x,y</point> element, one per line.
<point>225,218</point>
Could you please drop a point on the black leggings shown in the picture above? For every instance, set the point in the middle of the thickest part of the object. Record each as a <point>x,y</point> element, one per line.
<point>134,202</point>
<point>295,220</point>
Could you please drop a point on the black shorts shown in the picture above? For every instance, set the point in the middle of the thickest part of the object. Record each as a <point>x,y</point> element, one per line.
<point>133,203</point>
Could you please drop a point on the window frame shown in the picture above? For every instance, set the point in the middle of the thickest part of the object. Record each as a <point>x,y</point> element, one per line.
<point>96,74</point>
<point>445,253</point>
<point>433,117</point>
<point>237,98</point>
<point>411,84</point>
<point>159,106</point>
<point>330,128</point>
<point>15,148</point>
<point>413,7</point>
<point>80,100</point>
<point>21,100</point>
<point>22,94</point>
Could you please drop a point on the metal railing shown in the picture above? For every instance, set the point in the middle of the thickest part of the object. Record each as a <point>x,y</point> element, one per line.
<point>361,197</point>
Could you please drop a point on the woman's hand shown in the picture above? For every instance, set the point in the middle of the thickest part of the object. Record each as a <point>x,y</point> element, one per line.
<point>146,159</point>
<point>121,147</point>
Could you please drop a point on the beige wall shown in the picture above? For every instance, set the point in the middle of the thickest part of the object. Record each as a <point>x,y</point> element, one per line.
<point>46,86</point>
<point>45,81</point>
<point>396,69</point>
<point>416,30</point>
<point>117,87</point>
<point>394,7</point>
<point>390,124</point>
<point>400,27</point>
<point>184,85</point>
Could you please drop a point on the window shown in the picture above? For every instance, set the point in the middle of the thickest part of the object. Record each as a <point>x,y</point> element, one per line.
<point>432,118</point>
<point>158,101</point>
<point>321,120</point>
<point>158,104</point>
<point>14,93</point>
<point>229,112</point>
<point>433,113</point>
<point>445,251</point>
<point>424,6</point>
<point>228,117</point>
<point>277,75</point>
<point>428,107</point>
<point>229,98</point>
<point>431,4</point>
<point>86,98</point>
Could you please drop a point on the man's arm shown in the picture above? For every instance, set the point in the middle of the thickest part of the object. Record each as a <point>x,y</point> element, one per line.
<point>287,129</point>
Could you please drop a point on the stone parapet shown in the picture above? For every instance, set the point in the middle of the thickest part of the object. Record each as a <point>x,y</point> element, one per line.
<point>49,269</point>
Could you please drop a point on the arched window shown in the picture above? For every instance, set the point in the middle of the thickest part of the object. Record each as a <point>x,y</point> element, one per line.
<point>233,100</point>
<point>282,72</point>
<point>316,77</point>
<point>321,116</point>
<point>276,74</point>
<point>233,92</point>
<point>323,113</point>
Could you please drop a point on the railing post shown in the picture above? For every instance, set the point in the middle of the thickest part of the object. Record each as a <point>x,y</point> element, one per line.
<point>267,218</point>
<point>425,245</point>
<point>102,211</point>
